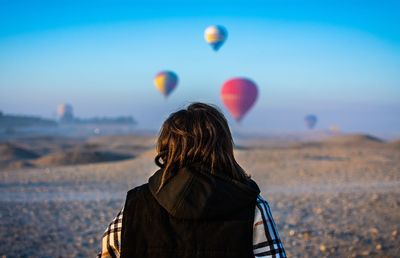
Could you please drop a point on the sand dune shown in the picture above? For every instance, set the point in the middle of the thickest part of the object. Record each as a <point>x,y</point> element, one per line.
<point>9,151</point>
<point>13,156</point>
<point>51,151</point>
<point>79,156</point>
<point>395,144</point>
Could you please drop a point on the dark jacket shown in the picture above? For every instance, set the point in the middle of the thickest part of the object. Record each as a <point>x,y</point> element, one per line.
<point>195,214</point>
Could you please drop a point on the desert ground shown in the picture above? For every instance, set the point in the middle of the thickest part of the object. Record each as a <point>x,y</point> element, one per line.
<point>337,196</point>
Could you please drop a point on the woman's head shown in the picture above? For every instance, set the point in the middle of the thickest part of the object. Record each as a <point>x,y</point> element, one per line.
<point>198,134</point>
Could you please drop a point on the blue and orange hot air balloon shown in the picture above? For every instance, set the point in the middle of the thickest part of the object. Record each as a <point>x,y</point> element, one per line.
<point>166,82</point>
<point>215,36</point>
<point>239,95</point>
<point>310,121</point>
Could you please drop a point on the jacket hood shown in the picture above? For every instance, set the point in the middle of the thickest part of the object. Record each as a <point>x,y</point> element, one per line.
<point>194,193</point>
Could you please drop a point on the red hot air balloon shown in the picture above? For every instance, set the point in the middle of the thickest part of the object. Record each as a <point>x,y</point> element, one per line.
<point>239,95</point>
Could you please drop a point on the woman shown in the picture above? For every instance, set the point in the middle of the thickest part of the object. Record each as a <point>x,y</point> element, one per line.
<point>200,203</point>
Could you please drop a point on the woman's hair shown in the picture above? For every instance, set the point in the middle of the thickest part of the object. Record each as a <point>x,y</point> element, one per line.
<point>197,135</point>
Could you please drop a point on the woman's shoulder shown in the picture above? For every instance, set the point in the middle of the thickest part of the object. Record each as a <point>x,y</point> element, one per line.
<point>136,193</point>
<point>137,190</point>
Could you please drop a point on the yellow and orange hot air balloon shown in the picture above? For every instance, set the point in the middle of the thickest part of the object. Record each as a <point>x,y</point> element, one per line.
<point>215,36</point>
<point>166,82</point>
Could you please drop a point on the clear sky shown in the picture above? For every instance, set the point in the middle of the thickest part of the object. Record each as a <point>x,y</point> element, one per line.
<point>339,60</point>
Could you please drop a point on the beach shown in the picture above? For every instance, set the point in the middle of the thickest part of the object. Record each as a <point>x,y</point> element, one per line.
<point>333,197</point>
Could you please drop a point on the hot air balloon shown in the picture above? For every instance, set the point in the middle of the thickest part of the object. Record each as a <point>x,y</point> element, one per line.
<point>166,82</point>
<point>334,129</point>
<point>215,36</point>
<point>65,112</point>
<point>311,121</point>
<point>239,95</point>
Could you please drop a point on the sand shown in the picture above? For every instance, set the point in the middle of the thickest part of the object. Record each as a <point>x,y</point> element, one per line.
<point>337,197</point>
<point>51,151</point>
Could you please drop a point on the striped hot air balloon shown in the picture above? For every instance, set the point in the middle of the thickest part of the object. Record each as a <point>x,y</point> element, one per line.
<point>215,36</point>
<point>165,82</point>
<point>239,95</point>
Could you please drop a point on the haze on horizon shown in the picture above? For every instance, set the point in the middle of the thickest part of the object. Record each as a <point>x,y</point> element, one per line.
<point>339,60</point>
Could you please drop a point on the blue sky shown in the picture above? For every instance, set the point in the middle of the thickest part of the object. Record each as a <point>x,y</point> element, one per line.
<point>339,60</point>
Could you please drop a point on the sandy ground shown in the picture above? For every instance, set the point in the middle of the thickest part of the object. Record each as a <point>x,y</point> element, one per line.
<point>335,198</point>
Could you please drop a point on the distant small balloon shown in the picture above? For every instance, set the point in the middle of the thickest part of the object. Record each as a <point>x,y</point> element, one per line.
<point>215,36</point>
<point>166,82</point>
<point>239,96</point>
<point>65,112</point>
<point>334,129</point>
<point>310,121</point>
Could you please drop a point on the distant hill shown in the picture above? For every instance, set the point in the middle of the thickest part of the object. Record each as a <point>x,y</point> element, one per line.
<point>125,120</point>
<point>13,121</point>
<point>354,139</point>
<point>343,140</point>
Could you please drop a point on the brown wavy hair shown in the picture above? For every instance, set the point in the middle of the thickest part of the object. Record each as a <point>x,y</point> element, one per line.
<point>199,135</point>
